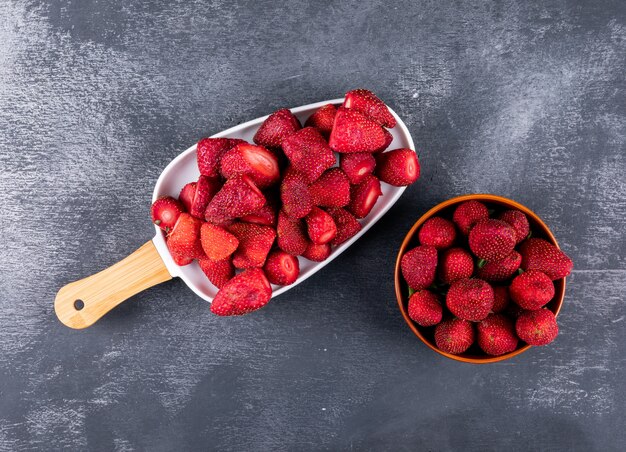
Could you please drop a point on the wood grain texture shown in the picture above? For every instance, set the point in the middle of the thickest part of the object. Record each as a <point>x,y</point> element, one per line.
<point>522,99</point>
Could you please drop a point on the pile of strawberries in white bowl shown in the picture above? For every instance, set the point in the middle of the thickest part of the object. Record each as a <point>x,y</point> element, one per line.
<point>297,191</point>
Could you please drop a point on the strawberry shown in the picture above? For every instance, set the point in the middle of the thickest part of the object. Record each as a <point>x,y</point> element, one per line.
<point>364,196</point>
<point>209,151</point>
<point>386,143</point>
<point>370,105</point>
<point>354,132</point>
<point>347,225</point>
<point>332,189</point>
<point>501,270</point>
<point>496,335</point>
<point>500,298</point>
<point>291,235</point>
<point>492,239</point>
<point>244,293</point>
<point>206,188</point>
<point>399,167</point>
<point>165,212</point>
<point>425,308</point>
<point>320,226</point>
<point>278,126</point>
<point>317,253</point>
<point>295,196</point>
<point>308,153</point>
<point>418,267</point>
<point>531,290</point>
<point>539,254</point>
<point>281,268</point>
<point>323,119</point>
<point>437,232</point>
<point>218,272</point>
<point>255,161</point>
<point>255,242</point>
<point>467,214</point>
<point>266,215</point>
<point>454,336</point>
<point>187,194</point>
<point>455,264</point>
<point>184,239</point>
<point>357,165</point>
<point>470,299</point>
<point>237,197</point>
<point>519,223</point>
<point>537,327</point>
<point>217,242</point>
<point>178,258</point>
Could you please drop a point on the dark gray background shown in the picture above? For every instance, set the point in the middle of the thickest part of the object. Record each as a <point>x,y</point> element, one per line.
<point>96,97</point>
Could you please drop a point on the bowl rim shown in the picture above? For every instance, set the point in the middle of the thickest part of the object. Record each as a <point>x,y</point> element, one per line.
<point>557,301</point>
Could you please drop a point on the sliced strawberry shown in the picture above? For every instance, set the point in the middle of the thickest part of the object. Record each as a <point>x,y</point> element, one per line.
<point>323,119</point>
<point>266,215</point>
<point>246,292</point>
<point>398,167</point>
<point>218,272</point>
<point>206,188</point>
<point>291,235</point>
<point>237,197</point>
<point>278,126</point>
<point>177,258</point>
<point>184,240</point>
<point>317,253</point>
<point>347,225</point>
<point>354,132</point>
<point>208,154</point>
<point>357,165</point>
<point>187,194</point>
<point>255,242</point>
<point>217,242</point>
<point>295,196</point>
<point>257,162</point>
<point>332,189</point>
<point>281,268</point>
<point>309,153</point>
<point>165,212</point>
<point>370,105</point>
<point>320,226</point>
<point>364,196</point>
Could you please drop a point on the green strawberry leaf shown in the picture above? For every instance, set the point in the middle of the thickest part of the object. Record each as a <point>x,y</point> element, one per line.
<point>411,292</point>
<point>481,263</point>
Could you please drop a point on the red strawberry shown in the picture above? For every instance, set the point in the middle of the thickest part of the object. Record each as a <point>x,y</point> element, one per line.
<point>320,226</point>
<point>332,189</point>
<point>500,270</point>
<point>388,140</point>
<point>246,292</point>
<point>437,232</point>
<point>531,290</point>
<point>354,132</point>
<point>470,299</point>
<point>357,165</point>
<point>317,253</point>
<point>455,264</point>
<point>218,272</point>
<point>294,193</point>
<point>278,126</point>
<point>370,105</point>
<point>454,336</point>
<point>537,327</point>
<point>291,235</point>
<point>165,212</point>
<point>209,151</point>
<point>266,215</point>
<point>500,298</point>
<point>492,239</point>
<point>399,167</point>
<point>323,119</point>
<point>255,242</point>
<point>467,214</point>
<point>418,267</point>
<point>347,225</point>
<point>309,153</point>
<point>217,242</point>
<point>187,194</point>
<point>281,268</point>
<point>425,308</point>
<point>206,188</point>
<point>177,258</point>
<point>496,335</point>
<point>538,254</point>
<point>364,196</point>
<point>255,161</point>
<point>237,197</point>
<point>519,223</point>
<point>184,240</point>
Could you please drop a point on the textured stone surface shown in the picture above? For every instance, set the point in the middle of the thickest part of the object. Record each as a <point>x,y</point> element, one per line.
<point>96,97</point>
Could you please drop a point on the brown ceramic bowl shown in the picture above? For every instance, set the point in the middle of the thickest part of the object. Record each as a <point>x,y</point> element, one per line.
<point>445,209</point>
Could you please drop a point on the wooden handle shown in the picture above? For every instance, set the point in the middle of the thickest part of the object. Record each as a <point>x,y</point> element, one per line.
<point>81,303</point>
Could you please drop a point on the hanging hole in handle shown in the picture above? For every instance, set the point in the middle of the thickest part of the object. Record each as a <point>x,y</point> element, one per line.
<point>79,304</point>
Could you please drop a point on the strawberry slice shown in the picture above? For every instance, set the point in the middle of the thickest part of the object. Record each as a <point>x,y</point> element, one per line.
<point>255,242</point>
<point>347,225</point>
<point>165,212</point>
<point>370,105</point>
<point>309,153</point>
<point>246,292</point>
<point>398,167</point>
<point>184,240</point>
<point>257,162</point>
<point>291,235</point>
<point>266,215</point>
<point>332,189</point>
<point>317,253</point>
<point>294,193</point>
<point>187,194</point>
<point>237,197</point>
<point>206,188</point>
<point>209,151</point>
<point>217,242</point>
<point>177,258</point>
<point>354,132</point>
<point>323,119</point>
<point>278,126</point>
<point>364,196</point>
<point>320,226</point>
<point>218,272</point>
<point>281,268</point>
<point>357,166</point>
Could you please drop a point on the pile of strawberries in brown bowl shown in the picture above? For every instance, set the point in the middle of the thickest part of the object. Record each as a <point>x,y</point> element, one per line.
<point>480,278</point>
